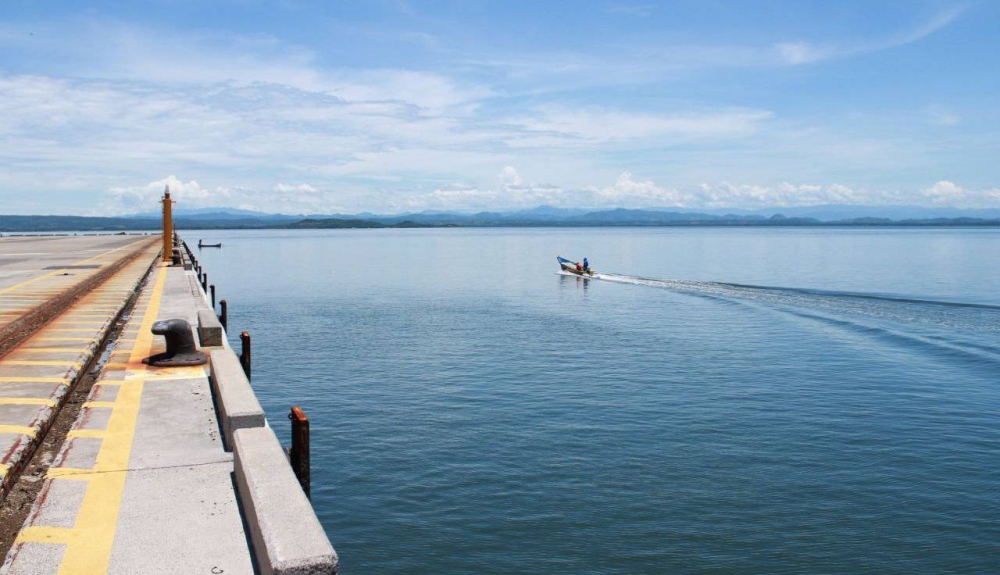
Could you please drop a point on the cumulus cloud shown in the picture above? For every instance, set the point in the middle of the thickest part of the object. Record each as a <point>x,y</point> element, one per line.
<point>266,124</point>
<point>281,198</point>
<point>508,176</point>
<point>949,194</point>
<point>145,198</point>
<point>512,192</point>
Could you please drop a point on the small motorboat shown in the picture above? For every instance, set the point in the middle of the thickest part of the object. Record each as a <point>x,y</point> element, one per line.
<point>204,245</point>
<point>576,268</point>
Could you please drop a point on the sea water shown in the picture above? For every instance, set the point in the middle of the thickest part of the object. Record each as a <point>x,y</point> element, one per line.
<point>765,400</point>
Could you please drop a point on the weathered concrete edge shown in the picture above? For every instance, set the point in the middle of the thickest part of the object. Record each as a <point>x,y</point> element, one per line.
<point>234,398</point>
<point>209,329</point>
<point>286,534</point>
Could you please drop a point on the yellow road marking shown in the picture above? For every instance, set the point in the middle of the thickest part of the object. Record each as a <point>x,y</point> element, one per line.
<point>97,520</point>
<point>53,273</point>
<point>93,404</point>
<point>50,350</point>
<point>68,473</point>
<point>93,433</point>
<point>21,429</point>
<point>174,373</point>
<point>29,362</point>
<point>39,534</point>
<point>116,365</point>
<point>27,401</point>
<point>3,469</point>
<point>14,379</point>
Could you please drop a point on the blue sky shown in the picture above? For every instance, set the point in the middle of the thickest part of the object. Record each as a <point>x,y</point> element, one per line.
<point>322,107</point>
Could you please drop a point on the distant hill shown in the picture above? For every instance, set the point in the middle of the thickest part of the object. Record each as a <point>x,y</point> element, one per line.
<point>543,216</point>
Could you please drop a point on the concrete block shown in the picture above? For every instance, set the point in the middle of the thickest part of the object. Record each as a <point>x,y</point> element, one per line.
<point>237,404</point>
<point>209,328</point>
<point>287,537</point>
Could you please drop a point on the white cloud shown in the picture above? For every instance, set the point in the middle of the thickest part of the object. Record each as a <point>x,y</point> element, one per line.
<point>262,123</point>
<point>942,116</point>
<point>509,176</point>
<point>589,125</point>
<point>949,194</point>
<point>295,188</point>
<point>801,52</point>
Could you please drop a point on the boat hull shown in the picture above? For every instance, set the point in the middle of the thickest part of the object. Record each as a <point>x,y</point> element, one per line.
<point>571,268</point>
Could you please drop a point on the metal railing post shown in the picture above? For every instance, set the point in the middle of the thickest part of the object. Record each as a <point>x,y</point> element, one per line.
<point>299,454</point>
<point>245,360</point>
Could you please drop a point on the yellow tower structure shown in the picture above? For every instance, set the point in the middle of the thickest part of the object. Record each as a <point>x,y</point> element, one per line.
<point>168,225</point>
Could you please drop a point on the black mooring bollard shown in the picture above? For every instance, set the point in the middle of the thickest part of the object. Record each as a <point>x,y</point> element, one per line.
<point>299,454</point>
<point>204,282</point>
<point>245,355</point>
<point>213,295</point>
<point>224,315</point>
<point>181,349</point>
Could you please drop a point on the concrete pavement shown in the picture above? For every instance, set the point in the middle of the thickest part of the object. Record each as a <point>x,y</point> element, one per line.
<point>36,375</point>
<point>144,482</point>
<point>34,268</point>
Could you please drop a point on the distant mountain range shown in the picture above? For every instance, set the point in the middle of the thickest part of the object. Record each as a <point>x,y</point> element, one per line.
<point>542,216</point>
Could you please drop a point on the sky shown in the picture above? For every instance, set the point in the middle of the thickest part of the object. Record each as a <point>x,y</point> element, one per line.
<point>315,107</point>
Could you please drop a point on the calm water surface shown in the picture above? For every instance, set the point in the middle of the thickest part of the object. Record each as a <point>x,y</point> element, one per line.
<point>474,411</point>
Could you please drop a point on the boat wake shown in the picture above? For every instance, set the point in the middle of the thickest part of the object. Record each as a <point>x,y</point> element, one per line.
<point>970,330</point>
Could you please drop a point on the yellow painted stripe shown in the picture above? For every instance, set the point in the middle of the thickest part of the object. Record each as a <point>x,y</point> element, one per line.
<point>27,401</point>
<point>92,433</point>
<point>3,469</point>
<point>97,520</point>
<point>93,404</point>
<point>20,429</point>
<point>13,379</point>
<point>116,365</point>
<point>39,534</point>
<point>51,350</point>
<point>30,362</point>
<point>168,374</point>
<point>78,473</point>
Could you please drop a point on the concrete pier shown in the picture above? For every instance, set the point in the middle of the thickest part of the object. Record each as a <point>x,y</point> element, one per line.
<point>145,480</point>
<point>43,361</point>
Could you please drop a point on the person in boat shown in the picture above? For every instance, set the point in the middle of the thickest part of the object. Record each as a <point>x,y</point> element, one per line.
<point>586,265</point>
<point>579,267</point>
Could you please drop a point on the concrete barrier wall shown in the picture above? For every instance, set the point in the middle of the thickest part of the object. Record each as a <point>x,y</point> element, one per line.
<point>234,398</point>
<point>286,535</point>
<point>209,329</point>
